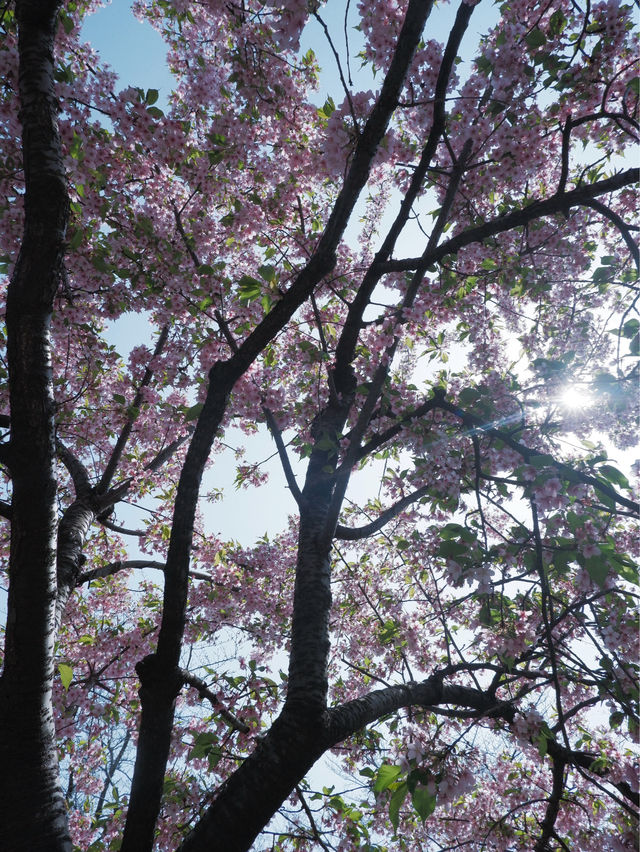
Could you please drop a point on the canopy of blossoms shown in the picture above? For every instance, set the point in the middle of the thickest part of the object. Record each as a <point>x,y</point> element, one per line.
<point>401,282</point>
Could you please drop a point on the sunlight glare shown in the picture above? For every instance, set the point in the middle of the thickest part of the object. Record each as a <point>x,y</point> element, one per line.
<point>574,397</point>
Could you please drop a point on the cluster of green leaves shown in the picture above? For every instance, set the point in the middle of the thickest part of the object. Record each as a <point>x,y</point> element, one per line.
<point>400,784</point>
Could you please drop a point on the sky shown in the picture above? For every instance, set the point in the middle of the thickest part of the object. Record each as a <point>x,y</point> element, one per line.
<point>137,53</point>
<point>132,48</point>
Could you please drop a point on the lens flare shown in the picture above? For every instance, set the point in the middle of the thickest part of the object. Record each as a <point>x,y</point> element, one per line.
<point>574,397</point>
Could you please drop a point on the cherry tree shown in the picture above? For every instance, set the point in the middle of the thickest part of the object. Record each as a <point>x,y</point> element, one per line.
<point>401,283</point>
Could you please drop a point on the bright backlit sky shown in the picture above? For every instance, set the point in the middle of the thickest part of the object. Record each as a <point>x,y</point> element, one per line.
<point>137,53</point>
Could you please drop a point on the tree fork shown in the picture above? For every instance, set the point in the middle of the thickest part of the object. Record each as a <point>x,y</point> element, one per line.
<point>140,824</point>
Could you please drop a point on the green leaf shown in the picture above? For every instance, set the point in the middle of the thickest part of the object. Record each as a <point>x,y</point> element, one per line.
<point>616,719</point>
<point>214,756</point>
<point>151,96</point>
<point>541,742</point>
<point>536,38</point>
<point>634,86</point>
<point>66,675</point>
<point>597,568</point>
<point>119,398</point>
<point>100,263</point>
<point>423,802</point>
<point>605,381</point>
<point>488,615</point>
<point>452,531</point>
<point>249,288</point>
<point>386,775</point>
<point>326,443</point>
<point>612,474</point>
<point>388,631</point>
<point>205,746</point>
<point>267,272</point>
<point>548,366</point>
<point>629,572</point>
<point>75,239</point>
<point>557,22</point>
<point>488,263</point>
<point>194,412</point>
<point>484,65</point>
<point>396,803</point>
<point>603,273</point>
<point>541,460</point>
<point>468,396</point>
<point>418,776</point>
<point>67,22</point>
<point>266,303</point>
<point>451,549</point>
<point>328,107</point>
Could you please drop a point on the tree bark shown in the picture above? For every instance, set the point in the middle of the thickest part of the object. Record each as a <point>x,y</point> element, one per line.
<point>252,795</point>
<point>32,811</point>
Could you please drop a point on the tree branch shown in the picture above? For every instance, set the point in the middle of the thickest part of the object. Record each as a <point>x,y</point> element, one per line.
<point>620,224</point>
<point>355,533</point>
<point>282,453</point>
<point>121,443</point>
<point>314,828</point>
<point>581,196</point>
<point>203,690</point>
<point>585,760</point>
<point>349,336</point>
<point>107,500</point>
<point>553,804</point>
<point>122,530</point>
<point>115,567</point>
<point>78,472</point>
<point>348,718</point>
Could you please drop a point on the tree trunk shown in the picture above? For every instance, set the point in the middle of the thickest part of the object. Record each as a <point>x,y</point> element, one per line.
<point>252,795</point>
<point>158,673</point>
<point>32,811</point>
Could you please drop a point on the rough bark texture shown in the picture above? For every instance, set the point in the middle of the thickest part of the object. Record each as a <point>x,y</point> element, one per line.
<point>32,812</point>
<point>251,796</point>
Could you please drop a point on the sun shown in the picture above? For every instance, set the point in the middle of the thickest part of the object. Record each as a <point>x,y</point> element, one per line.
<point>574,397</point>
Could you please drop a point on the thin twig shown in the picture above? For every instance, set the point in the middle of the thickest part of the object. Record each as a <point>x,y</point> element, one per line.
<point>204,692</point>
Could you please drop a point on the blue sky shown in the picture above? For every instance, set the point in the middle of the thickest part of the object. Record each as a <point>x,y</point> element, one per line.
<point>137,53</point>
<point>132,48</point>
